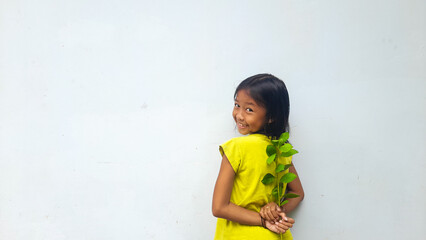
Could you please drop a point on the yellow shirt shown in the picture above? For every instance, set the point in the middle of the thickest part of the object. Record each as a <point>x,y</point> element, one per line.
<point>247,156</point>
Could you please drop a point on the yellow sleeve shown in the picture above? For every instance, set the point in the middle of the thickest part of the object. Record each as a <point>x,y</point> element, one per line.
<point>233,152</point>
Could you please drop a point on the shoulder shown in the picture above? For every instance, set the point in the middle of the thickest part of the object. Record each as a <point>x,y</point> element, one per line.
<point>233,144</point>
<point>254,139</point>
<point>239,140</point>
<point>247,142</point>
<point>250,138</point>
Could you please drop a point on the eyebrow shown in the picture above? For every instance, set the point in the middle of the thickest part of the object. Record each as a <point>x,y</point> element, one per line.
<point>248,103</point>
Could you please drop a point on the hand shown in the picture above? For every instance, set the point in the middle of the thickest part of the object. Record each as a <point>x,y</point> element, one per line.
<point>270,212</point>
<point>280,226</point>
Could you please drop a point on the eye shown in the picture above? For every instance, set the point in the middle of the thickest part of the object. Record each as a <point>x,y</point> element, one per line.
<point>249,110</point>
<point>236,105</point>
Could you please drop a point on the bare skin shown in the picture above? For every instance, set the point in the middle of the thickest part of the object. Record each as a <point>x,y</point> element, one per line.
<point>223,208</point>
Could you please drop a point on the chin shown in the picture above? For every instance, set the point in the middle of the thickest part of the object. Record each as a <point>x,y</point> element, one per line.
<point>243,132</point>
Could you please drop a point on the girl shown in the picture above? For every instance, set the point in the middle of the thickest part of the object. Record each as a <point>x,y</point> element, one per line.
<point>261,111</point>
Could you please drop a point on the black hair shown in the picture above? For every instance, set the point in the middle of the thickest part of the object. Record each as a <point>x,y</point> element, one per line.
<point>271,93</point>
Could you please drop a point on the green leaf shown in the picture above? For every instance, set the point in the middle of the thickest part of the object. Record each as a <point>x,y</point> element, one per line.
<point>287,166</point>
<point>271,158</point>
<point>291,152</point>
<point>286,147</point>
<point>284,136</point>
<point>270,149</point>
<point>275,142</point>
<point>268,179</point>
<point>283,202</point>
<point>279,168</point>
<point>282,167</point>
<point>288,177</point>
<point>291,195</point>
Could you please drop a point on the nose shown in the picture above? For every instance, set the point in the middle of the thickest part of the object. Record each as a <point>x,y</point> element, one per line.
<point>239,116</point>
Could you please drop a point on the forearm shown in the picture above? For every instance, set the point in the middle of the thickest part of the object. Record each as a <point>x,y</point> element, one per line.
<point>292,202</point>
<point>222,207</point>
<point>296,188</point>
<point>238,214</point>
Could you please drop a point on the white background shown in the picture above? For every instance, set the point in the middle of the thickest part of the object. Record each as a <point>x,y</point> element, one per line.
<point>111,113</point>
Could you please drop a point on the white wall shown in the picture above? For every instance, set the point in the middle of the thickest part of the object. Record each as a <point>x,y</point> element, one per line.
<point>112,112</point>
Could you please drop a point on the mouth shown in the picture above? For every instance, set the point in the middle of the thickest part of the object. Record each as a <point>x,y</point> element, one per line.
<point>241,126</point>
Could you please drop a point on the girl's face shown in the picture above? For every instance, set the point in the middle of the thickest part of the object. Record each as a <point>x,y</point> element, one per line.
<point>248,115</point>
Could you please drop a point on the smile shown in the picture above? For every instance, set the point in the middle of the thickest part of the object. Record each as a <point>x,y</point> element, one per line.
<point>240,125</point>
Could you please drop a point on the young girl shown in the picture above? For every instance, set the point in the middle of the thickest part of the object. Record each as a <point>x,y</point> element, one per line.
<point>240,200</point>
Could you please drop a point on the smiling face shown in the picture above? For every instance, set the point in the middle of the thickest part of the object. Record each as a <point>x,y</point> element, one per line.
<point>248,115</point>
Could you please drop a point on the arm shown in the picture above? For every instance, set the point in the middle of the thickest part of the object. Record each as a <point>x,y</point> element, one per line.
<point>222,207</point>
<point>294,187</point>
<point>271,210</point>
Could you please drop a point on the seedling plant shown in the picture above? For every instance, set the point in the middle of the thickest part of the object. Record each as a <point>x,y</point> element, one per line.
<point>278,149</point>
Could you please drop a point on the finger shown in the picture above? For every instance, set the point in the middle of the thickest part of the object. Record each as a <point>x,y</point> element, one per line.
<point>278,229</point>
<point>275,214</point>
<point>290,220</point>
<point>282,225</point>
<point>265,213</point>
<point>287,224</point>
<point>282,228</point>
<point>287,219</point>
<point>262,213</point>
<point>270,215</point>
<point>268,212</point>
<point>283,216</point>
<point>271,226</point>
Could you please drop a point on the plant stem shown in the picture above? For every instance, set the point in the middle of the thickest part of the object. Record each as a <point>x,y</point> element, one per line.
<point>277,182</point>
